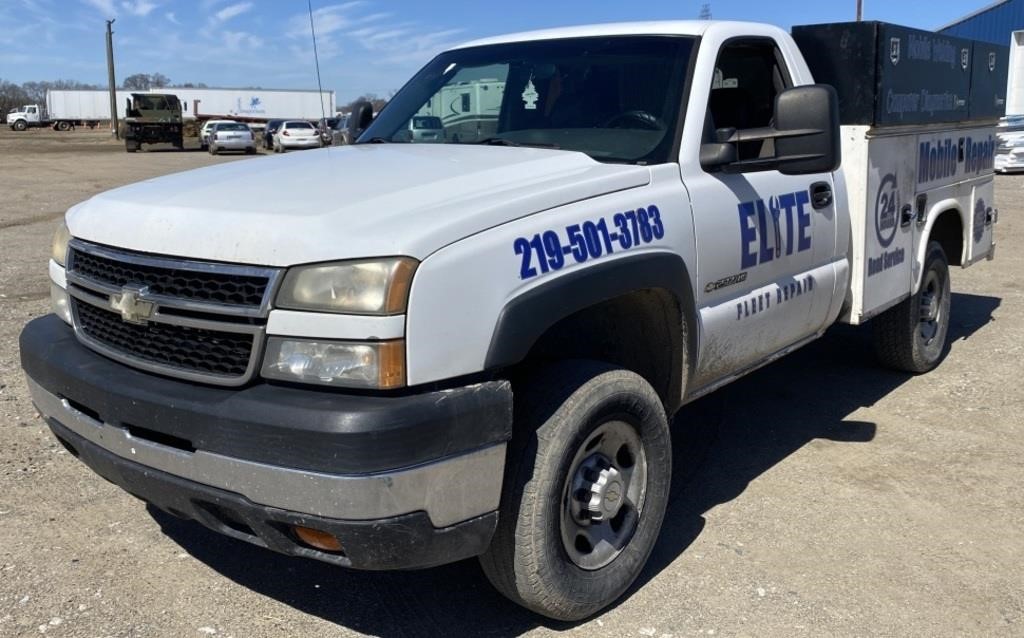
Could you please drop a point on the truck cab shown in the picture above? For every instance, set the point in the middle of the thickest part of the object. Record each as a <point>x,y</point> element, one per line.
<point>21,118</point>
<point>477,350</point>
<point>152,118</point>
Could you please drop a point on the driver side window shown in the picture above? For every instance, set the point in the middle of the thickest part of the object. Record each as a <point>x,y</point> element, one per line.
<point>749,74</point>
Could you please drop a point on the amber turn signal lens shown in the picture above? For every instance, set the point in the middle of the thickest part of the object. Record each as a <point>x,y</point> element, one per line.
<point>317,538</point>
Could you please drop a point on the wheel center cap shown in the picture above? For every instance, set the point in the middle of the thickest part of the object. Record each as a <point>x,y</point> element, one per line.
<point>606,495</point>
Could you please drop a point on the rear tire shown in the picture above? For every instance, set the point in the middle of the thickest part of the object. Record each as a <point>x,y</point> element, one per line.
<point>131,146</point>
<point>911,336</point>
<point>213,149</point>
<point>564,491</point>
<point>63,126</point>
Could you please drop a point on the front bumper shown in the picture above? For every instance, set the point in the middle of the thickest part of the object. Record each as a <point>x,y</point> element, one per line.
<point>279,453</point>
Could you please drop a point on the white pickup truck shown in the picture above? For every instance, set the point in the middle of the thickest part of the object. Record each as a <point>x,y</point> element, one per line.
<point>477,348</point>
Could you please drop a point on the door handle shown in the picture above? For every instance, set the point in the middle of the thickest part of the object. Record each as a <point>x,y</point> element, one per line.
<point>906,215</point>
<point>821,195</point>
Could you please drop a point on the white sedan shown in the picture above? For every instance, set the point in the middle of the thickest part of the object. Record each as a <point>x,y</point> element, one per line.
<point>295,134</point>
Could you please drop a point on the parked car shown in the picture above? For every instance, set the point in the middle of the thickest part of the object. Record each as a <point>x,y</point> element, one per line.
<point>296,134</point>
<point>231,136</point>
<point>269,131</point>
<point>339,132</point>
<point>426,128</point>
<point>326,127</point>
<point>204,132</point>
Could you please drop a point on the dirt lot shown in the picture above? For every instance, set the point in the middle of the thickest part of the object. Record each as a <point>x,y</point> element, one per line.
<point>819,496</point>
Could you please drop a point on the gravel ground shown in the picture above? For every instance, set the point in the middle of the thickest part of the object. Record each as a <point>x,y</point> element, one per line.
<point>819,496</point>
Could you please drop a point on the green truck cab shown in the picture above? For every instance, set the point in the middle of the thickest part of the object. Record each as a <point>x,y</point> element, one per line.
<point>152,118</point>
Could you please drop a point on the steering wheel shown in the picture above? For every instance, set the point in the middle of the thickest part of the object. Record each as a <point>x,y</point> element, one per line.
<point>644,119</point>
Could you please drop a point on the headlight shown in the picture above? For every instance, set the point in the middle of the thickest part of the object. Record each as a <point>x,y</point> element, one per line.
<point>378,365</point>
<point>61,238</point>
<point>368,287</point>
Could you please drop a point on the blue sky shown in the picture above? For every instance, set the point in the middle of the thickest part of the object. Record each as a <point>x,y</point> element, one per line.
<point>365,45</point>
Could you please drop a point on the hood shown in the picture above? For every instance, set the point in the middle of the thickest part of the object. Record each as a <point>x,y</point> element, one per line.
<point>341,203</point>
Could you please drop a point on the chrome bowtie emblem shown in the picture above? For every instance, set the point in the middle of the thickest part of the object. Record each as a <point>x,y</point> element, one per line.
<point>132,309</point>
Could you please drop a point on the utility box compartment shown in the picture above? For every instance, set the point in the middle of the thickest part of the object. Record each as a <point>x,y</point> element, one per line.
<point>889,75</point>
<point>990,64</point>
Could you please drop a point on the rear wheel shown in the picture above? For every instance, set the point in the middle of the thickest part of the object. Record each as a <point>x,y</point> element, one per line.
<point>912,335</point>
<point>131,146</point>
<point>213,149</point>
<point>63,126</point>
<point>586,489</point>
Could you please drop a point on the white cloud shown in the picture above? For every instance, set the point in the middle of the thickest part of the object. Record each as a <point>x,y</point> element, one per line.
<point>141,8</point>
<point>232,11</point>
<point>106,7</point>
<point>173,19</point>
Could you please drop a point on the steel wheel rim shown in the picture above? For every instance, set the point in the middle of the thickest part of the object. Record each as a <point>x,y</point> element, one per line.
<point>603,496</point>
<point>931,308</point>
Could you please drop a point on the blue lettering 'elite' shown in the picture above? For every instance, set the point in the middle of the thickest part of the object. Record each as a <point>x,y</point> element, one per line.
<point>761,235</point>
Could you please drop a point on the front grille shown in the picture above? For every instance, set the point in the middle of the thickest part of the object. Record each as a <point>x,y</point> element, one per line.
<point>191,285</point>
<point>201,321</point>
<point>194,350</point>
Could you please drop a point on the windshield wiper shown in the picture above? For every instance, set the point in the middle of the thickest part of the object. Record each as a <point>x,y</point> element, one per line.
<point>504,141</point>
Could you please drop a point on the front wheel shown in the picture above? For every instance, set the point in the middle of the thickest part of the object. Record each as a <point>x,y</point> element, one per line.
<point>912,335</point>
<point>586,489</point>
<point>20,125</point>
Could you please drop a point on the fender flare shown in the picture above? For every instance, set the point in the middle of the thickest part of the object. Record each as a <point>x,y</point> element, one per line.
<point>527,317</point>
<point>934,212</point>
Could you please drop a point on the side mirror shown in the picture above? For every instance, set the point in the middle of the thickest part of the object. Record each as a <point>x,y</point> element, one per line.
<point>805,134</point>
<point>813,113</point>
<point>360,119</point>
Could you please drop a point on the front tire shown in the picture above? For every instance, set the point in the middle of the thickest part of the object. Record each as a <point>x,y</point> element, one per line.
<point>912,335</point>
<point>20,125</point>
<point>586,489</point>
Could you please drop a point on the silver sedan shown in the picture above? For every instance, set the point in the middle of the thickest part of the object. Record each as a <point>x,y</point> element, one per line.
<point>231,136</point>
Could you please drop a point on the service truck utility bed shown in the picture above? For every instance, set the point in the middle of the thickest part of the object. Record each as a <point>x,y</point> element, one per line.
<point>917,111</point>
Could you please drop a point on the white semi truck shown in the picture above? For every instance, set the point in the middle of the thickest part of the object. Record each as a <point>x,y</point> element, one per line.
<point>477,350</point>
<point>66,109</point>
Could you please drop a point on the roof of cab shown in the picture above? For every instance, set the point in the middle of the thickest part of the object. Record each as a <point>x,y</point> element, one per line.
<point>667,27</point>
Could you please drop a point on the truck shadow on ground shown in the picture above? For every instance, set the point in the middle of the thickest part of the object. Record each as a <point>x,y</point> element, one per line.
<point>721,443</point>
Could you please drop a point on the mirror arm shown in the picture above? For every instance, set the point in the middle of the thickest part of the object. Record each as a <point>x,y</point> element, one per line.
<point>768,133</point>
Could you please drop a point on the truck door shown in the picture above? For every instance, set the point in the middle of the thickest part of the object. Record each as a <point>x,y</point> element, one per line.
<point>32,113</point>
<point>765,241</point>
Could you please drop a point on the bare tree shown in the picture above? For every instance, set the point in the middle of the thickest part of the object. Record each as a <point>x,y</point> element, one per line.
<point>11,96</point>
<point>137,81</point>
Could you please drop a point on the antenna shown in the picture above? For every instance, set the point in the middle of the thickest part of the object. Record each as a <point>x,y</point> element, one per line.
<point>316,58</point>
<point>705,11</point>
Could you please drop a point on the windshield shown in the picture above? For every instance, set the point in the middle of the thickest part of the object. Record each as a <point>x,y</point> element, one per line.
<point>234,126</point>
<point>295,125</point>
<point>155,102</point>
<point>614,98</point>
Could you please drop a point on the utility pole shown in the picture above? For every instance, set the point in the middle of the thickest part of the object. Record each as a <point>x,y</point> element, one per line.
<point>110,81</point>
<point>705,11</point>
<point>860,10</point>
